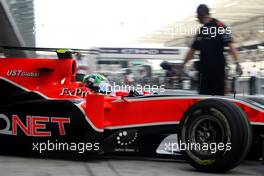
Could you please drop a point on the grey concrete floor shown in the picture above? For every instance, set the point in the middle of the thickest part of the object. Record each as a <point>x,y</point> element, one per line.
<point>110,166</point>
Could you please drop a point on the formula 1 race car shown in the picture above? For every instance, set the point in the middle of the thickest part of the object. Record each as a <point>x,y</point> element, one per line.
<point>44,110</point>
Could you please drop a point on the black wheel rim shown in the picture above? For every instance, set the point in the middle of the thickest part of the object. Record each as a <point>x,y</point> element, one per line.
<point>209,128</point>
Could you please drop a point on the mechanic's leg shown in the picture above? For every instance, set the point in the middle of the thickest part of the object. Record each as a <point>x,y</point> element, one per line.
<point>204,86</point>
<point>217,84</point>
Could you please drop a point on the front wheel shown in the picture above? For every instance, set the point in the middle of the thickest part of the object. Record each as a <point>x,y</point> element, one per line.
<point>216,134</point>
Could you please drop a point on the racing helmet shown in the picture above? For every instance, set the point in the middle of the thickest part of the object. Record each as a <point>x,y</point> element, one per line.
<point>97,83</point>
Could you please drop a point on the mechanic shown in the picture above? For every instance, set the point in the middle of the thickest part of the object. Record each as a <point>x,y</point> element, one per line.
<point>210,40</point>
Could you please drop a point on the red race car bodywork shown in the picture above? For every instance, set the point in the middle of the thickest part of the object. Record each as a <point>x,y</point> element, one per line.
<point>33,88</point>
<point>55,79</point>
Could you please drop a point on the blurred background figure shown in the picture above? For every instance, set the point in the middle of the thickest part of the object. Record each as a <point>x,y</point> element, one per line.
<point>129,77</point>
<point>170,75</point>
<point>142,75</point>
<point>253,73</point>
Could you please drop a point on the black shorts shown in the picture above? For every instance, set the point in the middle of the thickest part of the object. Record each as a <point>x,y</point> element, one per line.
<point>212,83</point>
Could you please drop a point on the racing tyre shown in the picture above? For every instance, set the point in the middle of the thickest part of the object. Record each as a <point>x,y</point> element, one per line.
<point>216,135</point>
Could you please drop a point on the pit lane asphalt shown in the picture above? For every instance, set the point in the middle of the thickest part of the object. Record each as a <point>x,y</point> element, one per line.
<point>111,166</point>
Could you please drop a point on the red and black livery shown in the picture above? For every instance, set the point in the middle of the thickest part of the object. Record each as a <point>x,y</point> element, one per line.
<point>41,100</point>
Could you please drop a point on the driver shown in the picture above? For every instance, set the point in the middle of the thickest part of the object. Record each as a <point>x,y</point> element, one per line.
<point>97,83</point>
<point>100,84</point>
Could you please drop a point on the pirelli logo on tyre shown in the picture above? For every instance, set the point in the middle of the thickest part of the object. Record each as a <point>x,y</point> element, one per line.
<point>35,126</point>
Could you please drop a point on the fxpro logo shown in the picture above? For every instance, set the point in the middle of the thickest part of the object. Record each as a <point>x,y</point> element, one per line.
<point>35,126</point>
<point>22,73</point>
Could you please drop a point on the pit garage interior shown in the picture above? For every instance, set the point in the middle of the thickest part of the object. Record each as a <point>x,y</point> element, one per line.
<point>245,17</point>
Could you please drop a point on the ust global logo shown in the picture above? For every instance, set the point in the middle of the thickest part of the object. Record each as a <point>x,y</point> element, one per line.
<point>22,73</point>
<point>35,126</point>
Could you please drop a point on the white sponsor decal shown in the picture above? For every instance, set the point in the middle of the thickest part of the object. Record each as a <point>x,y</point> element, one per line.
<point>34,125</point>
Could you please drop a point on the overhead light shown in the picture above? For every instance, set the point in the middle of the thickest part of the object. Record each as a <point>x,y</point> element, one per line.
<point>231,4</point>
<point>261,31</point>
